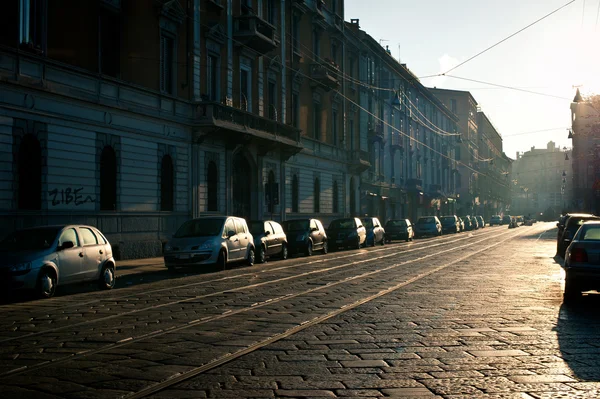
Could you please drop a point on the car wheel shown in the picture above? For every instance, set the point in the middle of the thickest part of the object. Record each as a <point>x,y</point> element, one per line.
<point>222,260</point>
<point>250,259</point>
<point>325,247</point>
<point>46,284</point>
<point>284,252</point>
<point>382,241</point>
<point>572,290</point>
<point>309,249</point>
<point>261,257</point>
<point>107,277</point>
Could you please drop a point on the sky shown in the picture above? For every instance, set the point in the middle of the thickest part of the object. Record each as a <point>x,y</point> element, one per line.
<point>553,57</point>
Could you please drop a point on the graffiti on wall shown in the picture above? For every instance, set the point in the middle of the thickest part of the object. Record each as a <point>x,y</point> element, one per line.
<point>68,196</point>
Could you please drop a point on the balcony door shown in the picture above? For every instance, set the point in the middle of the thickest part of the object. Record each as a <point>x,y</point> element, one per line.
<point>243,186</point>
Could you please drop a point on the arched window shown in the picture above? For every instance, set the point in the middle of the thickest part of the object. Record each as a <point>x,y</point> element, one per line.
<point>29,171</point>
<point>212,180</point>
<point>271,192</point>
<point>352,198</point>
<point>108,179</point>
<point>166,184</point>
<point>336,206</point>
<point>317,196</point>
<point>295,193</point>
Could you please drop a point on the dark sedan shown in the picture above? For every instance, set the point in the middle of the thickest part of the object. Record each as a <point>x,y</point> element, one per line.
<point>306,236</point>
<point>269,239</point>
<point>571,226</point>
<point>347,232</point>
<point>582,261</point>
<point>399,229</point>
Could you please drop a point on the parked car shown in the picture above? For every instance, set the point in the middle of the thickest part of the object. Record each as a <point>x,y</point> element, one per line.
<point>561,223</point>
<point>571,226</point>
<point>474,222</point>
<point>468,223</point>
<point>42,258</point>
<point>506,219</point>
<point>375,232</point>
<point>399,229</point>
<point>428,226</point>
<point>306,236</point>
<point>217,240</point>
<point>481,221</point>
<point>461,223</point>
<point>496,220</point>
<point>269,239</point>
<point>450,224</point>
<point>582,261</point>
<point>347,232</point>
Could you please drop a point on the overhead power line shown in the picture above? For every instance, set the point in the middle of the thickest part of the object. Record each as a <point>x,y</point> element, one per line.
<point>507,87</point>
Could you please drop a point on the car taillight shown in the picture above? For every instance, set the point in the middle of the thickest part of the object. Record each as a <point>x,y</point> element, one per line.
<point>579,255</point>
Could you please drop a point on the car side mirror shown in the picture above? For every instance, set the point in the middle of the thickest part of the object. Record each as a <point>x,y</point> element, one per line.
<point>66,245</point>
<point>267,233</point>
<point>230,233</point>
<point>314,229</point>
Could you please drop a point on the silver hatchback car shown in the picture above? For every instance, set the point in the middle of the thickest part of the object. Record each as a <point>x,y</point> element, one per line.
<point>210,240</point>
<point>41,258</point>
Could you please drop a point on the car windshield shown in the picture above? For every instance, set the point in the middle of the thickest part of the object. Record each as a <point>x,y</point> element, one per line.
<point>426,220</point>
<point>296,225</point>
<point>257,228</point>
<point>367,222</point>
<point>396,223</point>
<point>342,224</point>
<point>448,219</point>
<point>30,239</point>
<point>201,228</point>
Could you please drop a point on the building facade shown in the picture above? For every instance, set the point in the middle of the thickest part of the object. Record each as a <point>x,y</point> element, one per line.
<point>585,160</point>
<point>540,182</point>
<point>136,116</point>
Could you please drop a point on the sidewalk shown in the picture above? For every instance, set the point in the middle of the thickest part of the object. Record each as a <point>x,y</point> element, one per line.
<point>140,266</point>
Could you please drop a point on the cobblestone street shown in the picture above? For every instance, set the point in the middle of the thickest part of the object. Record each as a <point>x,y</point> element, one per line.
<point>474,315</point>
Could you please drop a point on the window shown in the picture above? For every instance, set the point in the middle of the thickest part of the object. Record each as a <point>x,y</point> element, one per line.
<point>68,235</point>
<point>166,184</point>
<point>108,179</point>
<point>334,53</point>
<point>109,25</point>
<point>269,228</point>
<point>100,236</point>
<point>29,174</point>
<point>229,226</point>
<point>336,206</point>
<point>166,63</point>
<point>334,126</point>
<point>277,228</point>
<point>87,236</point>
<point>295,194</point>
<point>352,197</point>
<point>212,77</point>
<point>313,224</point>
<point>453,105</point>
<point>272,100</point>
<point>33,24</point>
<point>316,44</point>
<point>245,89</point>
<point>317,121</point>
<point>271,192</point>
<point>212,186</point>
<point>240,226</point>
<point>295,34</point>
<point>295,109</point>
<point>317,196</point>
<point>272,12</point>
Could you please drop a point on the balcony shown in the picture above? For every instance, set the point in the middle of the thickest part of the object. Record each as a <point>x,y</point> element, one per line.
<point>326,74</point>
<point>376,131</point>
<point>359,161</point>
<point>255,32</point>
<point>241,127</point>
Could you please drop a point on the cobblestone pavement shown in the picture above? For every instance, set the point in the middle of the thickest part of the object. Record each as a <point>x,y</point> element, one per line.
<point>467,316</point>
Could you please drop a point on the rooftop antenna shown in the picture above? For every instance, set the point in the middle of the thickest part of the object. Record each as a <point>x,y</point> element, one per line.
<point>399,54</point>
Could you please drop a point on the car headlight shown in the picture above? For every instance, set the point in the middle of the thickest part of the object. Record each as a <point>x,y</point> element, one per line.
<point>21,267</point>
<point>207,245</point>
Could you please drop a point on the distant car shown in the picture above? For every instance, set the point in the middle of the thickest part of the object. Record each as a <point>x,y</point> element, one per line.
<point>481,221</point>
<point>506,219</point>
<point>468,223</point>
<point>306,236</point>
<point>375,231</point>
<point>450,224</point>
<point>399,229</point>
<point>582,261</point>
<point>269,240</point>
<point>428,226</point>
<point>571,226</point>
<point>496,220</point>
<point>41,258</point>
<point>216,240</point>
<point>347,233</point>
<point>461,223</point>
